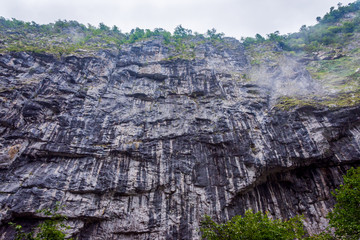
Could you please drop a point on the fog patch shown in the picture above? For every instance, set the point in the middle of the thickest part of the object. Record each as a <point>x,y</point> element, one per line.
<point>285,77</point>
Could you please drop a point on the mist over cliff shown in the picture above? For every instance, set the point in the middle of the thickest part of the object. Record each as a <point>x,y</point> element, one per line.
<point>140,136</point>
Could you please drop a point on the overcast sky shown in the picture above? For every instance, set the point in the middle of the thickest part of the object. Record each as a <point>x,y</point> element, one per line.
<point>236,18</point>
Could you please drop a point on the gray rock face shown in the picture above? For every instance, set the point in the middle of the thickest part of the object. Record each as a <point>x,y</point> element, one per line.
<point>141,147</point>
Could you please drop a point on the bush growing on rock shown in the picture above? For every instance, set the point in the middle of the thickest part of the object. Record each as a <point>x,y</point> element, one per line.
<point>51,229</point>
<point>345,217</point>
<point>253,226</point>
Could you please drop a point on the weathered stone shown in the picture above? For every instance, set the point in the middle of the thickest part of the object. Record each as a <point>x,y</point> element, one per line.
<point>140,147</point>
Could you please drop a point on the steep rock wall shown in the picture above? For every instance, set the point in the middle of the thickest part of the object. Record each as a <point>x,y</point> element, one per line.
<point>138,146</point>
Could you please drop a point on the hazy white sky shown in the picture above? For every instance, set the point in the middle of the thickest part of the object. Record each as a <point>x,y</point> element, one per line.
<point>236,18</point>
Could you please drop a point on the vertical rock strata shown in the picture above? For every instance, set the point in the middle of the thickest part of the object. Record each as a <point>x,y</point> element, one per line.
<point>138,146</point>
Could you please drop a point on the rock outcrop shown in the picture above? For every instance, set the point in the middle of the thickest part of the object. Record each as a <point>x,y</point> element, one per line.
<point>140,146</point>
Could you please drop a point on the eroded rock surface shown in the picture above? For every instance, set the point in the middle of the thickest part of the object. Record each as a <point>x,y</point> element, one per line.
<point>138,146</point>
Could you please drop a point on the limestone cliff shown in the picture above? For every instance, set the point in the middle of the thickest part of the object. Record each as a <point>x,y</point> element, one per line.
<point>138,144</point>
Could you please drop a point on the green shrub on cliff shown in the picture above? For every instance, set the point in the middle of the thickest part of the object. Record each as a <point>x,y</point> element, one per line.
<point>51,229</point>
<point>253,226</point>
<point>345,217</point>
